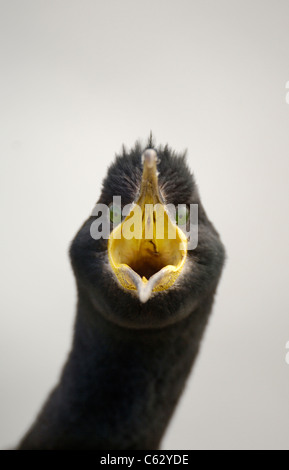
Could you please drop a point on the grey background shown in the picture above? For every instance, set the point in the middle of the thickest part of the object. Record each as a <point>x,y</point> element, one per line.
<point>79,78</point>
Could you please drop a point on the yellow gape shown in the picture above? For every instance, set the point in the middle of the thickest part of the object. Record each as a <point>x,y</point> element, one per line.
<point>147,251</point>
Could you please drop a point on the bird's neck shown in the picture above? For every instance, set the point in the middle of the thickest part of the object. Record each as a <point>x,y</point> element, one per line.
<point>119,386</point>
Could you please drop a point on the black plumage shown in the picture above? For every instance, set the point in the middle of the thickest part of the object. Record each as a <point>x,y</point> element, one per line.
<point>129,360</point>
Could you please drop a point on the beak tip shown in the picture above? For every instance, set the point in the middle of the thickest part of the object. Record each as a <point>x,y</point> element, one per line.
<point>149,158</point>
<point>144,292</point>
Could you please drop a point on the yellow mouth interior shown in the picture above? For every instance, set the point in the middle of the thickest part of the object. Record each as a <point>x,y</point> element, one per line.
<point>147,242</point>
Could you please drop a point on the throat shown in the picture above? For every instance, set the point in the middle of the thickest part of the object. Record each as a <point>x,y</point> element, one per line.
<point>148,261</point>
<point>119,387</point>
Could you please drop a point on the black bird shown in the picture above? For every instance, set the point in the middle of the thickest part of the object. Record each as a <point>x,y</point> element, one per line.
<point>143,304</point>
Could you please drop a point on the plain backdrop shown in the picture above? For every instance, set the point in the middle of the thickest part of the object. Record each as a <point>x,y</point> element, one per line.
<point>80,78</point>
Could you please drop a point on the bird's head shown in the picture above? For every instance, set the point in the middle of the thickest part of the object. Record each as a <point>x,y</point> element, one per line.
<point>140,258</point>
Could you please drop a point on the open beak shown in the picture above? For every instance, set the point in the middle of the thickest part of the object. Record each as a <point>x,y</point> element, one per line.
<point>147,251</point>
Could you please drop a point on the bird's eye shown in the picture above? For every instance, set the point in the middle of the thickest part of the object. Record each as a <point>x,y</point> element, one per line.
<point>115,214</point>
<point>182,215</point>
